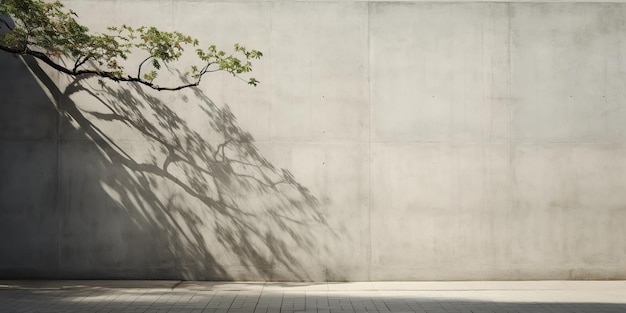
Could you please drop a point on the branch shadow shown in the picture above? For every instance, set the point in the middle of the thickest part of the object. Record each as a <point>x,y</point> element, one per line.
<point>145,193</point>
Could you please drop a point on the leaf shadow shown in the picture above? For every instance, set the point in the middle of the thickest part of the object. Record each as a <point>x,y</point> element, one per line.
<point>201,195</point>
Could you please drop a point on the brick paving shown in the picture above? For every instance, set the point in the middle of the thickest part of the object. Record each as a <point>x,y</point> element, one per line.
<point>471,297</point>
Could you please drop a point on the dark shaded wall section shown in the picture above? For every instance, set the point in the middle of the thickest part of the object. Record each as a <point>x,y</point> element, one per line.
<point>45,232</point>
<point>29,169</point>
<point>151,197</point>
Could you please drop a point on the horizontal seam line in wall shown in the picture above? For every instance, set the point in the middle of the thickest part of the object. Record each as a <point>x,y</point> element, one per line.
<point>396,1</point>
<point>356,141</point>
<point>348,141</point>
<point>501,142</point>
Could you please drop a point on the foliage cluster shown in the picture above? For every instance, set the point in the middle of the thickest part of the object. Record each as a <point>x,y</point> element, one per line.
<point>49,32</point>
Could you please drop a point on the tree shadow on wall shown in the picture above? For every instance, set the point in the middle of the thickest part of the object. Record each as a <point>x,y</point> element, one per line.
<point>146,193</point>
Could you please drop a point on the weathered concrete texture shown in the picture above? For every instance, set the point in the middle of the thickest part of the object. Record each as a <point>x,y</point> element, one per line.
<point>387,141</point>
<point>439,73</point>
<point>565,71</point>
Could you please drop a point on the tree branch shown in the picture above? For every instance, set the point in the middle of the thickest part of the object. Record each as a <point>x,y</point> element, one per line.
<point>141,64</point>
<point>104,74</point>
<point>80,62</point>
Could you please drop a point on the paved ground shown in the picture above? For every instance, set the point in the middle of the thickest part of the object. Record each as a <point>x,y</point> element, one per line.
<point>438,297</point>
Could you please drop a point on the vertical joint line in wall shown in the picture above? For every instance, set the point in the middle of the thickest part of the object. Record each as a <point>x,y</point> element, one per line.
<point>57,197</point>
<point>269,6</point>
<point>605,107</point>
<point>177,268</point>
<point>369,140</point>
<point>510,135</point>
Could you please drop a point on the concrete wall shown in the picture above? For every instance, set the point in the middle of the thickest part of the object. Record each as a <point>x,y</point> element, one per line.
<point>387,141</point>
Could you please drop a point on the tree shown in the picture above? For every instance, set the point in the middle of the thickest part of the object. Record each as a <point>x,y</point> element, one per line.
<point>50,33</point>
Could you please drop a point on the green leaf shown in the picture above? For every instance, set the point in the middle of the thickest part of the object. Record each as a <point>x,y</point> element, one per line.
<point>156,64</point>
<point>150,76</point>
<point>252,81</point>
